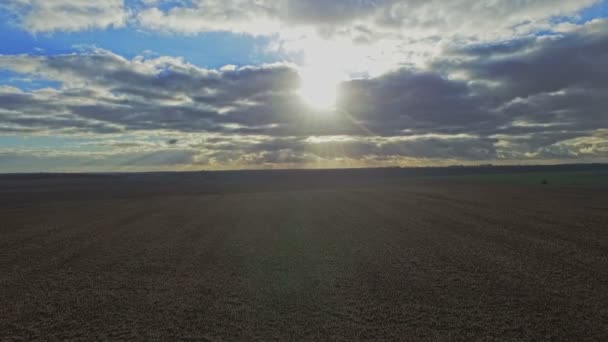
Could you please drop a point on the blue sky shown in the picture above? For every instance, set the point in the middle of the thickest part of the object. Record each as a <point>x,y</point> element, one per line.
<point>600,10</point>
<point>309,77</point>
<point>211,50</point>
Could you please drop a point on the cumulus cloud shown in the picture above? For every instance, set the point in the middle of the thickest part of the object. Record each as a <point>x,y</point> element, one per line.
<point>159,93</point>
<point>240,16</point>
<point>363,37</point>
<point>67,15</point>
<point>464,17</point>
<point>354,18</point>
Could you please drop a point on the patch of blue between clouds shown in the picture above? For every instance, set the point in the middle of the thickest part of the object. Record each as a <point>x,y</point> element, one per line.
<point>27,83</point>
<point>600,10</point>
<point>597,11</point>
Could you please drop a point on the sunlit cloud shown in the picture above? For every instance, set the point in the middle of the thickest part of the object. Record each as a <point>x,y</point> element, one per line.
<point>39,16</point>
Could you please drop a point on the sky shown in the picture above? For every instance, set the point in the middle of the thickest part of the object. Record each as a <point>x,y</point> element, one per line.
<point>150,85</point>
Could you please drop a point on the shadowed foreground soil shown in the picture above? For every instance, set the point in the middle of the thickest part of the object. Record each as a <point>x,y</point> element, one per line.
<point>409,261</point>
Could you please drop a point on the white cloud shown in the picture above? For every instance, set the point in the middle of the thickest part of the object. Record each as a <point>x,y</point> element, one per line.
<point>39,16</point>
<point>211,16</point>
<point>357,37</point>
<point>408,17</point>
<point>368,37</point>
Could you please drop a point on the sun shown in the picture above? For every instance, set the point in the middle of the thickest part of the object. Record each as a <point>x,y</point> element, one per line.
<point>319,87</point>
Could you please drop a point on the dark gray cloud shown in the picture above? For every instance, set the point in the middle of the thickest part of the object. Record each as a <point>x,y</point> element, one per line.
<point>545,85</point>
<point>530,66</point>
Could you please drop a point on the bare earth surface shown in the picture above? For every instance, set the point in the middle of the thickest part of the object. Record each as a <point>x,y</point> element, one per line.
<point>169,259</point>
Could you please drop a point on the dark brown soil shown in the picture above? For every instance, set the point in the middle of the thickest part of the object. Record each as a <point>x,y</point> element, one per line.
<point>164,259</point>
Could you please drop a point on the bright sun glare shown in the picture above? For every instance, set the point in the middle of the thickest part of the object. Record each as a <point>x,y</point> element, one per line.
<point>319,87</point>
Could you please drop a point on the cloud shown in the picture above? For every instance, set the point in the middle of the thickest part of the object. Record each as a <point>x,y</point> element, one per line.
<point>34,161</point>
<point>525,67</point>
<point>551,83</point>
<point>38,16</point>
<point>363,37</point>
<point>463,17</point>
<point>354,18</point>
<point>534,98</point>
<point>416,101</point>
<point>161,93</point>
<point>255,17</point>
